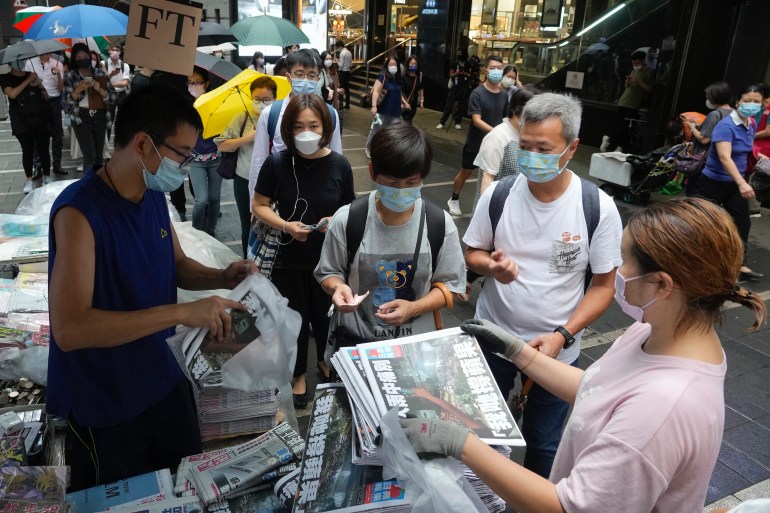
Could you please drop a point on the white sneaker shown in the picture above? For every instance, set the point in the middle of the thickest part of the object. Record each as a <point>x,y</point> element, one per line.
<point>605,143</point>
<point>439,126</point>
<point>458,126</point>
<point>454,207</point>
<point>47,180</point>
<point>28,186</point>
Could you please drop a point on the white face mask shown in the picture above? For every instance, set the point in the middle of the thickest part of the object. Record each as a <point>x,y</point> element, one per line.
<point>307,142</point>
<point>258,106</point>
<point>637,68</point>
<point>392,70</point>
<point>508,82</point>
<point>328,63</point>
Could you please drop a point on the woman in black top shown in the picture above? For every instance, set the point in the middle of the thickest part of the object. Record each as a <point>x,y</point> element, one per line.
<point>412,88</point>
<point>30,119</point>
<point>309,182</point>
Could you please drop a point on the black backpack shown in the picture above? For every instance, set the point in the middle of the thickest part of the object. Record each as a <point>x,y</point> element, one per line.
<point>34,108</point>
<point>359,210</point>
<point>591,209</point>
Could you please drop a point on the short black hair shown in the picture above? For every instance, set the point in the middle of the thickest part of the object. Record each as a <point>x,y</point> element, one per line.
<point>764,89</point>
<point>493,57</point>
<point>79,47</point>
<point>638,55</point>
<point>280,67</point>
<point>202,72</point>
<point>510,68</point>
<point>519,99</point>
<point>305,58</point>
<point>719,93</point>
<point>401,150</point>
<point>157,110</point>
<point>339,44</point>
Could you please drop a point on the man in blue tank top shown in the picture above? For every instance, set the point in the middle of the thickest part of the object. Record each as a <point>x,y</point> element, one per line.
<point>115,265</point>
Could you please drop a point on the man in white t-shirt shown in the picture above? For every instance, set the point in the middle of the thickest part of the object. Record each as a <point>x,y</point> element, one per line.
<point>537,259</point>
<point>120,76</point>
<point>346,61</point>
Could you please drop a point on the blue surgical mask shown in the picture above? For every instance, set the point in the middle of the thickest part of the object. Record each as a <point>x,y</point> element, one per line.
<point>167,178</point>
<point>749,110</point>
<point>633,311</point>
<point>398,200</point>
<point>539,167</point>
<point>303,86</point>
<point>495,75</point>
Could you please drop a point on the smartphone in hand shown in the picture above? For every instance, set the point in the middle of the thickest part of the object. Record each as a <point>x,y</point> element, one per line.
<point>316,227</point>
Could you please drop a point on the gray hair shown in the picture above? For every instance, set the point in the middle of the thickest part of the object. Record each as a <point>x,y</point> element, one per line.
<point>563,106</point>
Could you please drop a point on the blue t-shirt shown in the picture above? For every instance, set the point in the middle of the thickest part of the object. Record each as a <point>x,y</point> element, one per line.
<point>391,105</point>
<point>742,139</point>
<point>134,270</point>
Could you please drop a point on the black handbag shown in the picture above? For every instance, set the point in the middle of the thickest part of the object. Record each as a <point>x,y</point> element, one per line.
<point>228,162</point>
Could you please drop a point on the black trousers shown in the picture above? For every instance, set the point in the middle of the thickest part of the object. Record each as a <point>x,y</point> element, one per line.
<point>91,133</point>
<point>620,136</point>
<point>57,133</point>
<point>306,296</point>
<point>156,439</point>
<point>29,142</point>
<point>456,93</point>
<point>727,196</point>
<point>113,107</point>
<point>345,84</point>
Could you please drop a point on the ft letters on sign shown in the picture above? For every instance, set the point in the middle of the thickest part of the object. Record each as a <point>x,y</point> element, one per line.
<point>163,34</point>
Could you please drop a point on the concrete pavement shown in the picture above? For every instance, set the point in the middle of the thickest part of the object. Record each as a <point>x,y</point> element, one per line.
<point>743,469</point>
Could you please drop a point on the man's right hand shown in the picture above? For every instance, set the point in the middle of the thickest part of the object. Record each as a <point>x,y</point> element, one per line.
<point>502,267</point>
<point>342,298</point>
<point>211,313</point>
<point>494,338</point>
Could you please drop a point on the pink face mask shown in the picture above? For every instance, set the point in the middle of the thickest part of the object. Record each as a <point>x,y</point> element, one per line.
<point>114,55</point>
<point>635,312</point>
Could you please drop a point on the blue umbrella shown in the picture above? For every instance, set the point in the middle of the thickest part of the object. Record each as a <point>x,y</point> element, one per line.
<point>79,21</point>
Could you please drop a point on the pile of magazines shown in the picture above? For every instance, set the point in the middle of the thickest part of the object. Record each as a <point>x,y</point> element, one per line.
<point>33,489</point>
<point>233,472</point>
<point>438,375</point>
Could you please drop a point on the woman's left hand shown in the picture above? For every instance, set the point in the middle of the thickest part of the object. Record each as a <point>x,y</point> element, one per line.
<point>325,228</point>
<point>746,190</point>
<point>396,312</point>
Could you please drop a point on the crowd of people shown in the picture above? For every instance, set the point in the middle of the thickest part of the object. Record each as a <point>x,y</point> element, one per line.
<point>550,246</point>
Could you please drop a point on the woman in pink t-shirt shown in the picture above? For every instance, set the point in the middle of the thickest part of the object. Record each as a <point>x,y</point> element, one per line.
<point>648,416</point>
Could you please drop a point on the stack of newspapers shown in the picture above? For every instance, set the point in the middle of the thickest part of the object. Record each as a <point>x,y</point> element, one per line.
<point>236,471</point>
<point>438,375</point>
<point>226,412</point>
<point>328,480</point>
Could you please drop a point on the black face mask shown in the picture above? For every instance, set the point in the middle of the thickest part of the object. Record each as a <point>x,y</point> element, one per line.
<point>83,63</point>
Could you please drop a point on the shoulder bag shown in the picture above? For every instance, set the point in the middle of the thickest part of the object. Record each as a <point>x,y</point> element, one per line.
<point>229,160</point>
<point>264,240</point>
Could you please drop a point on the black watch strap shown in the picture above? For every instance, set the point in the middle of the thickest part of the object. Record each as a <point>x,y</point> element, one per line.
<point>568,338</point>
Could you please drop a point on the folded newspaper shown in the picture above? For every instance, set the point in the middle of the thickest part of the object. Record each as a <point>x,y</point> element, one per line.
<point>275,499</point>
<point>237,470</point>
<point>328,480</point>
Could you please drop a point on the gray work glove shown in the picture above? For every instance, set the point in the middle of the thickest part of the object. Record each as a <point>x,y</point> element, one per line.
<point>494,338</point>
<point>432,438</point>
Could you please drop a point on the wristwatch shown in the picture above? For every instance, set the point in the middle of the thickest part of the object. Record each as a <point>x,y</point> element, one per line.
<point>568,338</point>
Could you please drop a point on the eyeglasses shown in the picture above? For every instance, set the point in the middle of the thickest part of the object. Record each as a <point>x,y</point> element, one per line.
<point>187,158</point>
<point>299,75</point>
<point>264,101</point>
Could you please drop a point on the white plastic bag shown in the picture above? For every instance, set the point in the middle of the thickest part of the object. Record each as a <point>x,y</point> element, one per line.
<point>203,248</point>
<point>40,200</point>
<point>29,363</point>
<point>436,485</point>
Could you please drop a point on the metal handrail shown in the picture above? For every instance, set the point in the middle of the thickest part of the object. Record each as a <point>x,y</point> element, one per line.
<point>379,55</point>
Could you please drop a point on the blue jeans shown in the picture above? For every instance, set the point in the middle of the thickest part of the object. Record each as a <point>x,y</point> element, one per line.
<point>544,416</point>
<point>207,184</point>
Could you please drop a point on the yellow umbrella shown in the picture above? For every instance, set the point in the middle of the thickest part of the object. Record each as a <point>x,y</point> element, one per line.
<point>218,107</point>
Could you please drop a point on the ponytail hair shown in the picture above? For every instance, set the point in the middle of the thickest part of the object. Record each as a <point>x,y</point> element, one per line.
<point>697,244</point>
